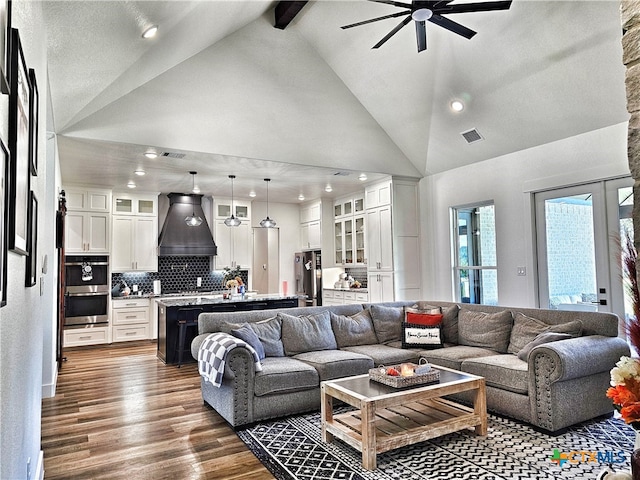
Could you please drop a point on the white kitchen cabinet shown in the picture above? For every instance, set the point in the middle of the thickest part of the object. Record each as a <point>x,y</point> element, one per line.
<point>343,297</point>
<point>87,199</point>
<point>311,212</point>
<point>77,337</point>
<point>311,233</point>
<point>234,245</point>
<point>378,194</point>
<point>135,233</point>
<point>130,319</point>
<point>380,287</point>
<point>379,244</point>
<point>87,232</point>
<point>222,208</point>
<point>134,242</point>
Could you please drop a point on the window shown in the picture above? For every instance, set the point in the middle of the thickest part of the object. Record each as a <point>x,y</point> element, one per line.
<point>475,270</point>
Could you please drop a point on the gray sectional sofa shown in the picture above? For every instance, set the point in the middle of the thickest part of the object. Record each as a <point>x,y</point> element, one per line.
<point>549,368</point>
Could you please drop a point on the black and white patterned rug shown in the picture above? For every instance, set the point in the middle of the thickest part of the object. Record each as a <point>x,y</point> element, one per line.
<point>292,448</point>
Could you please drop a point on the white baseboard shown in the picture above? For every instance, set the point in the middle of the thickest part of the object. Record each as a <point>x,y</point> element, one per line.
<point>39,473</point>
<point>49,390</point>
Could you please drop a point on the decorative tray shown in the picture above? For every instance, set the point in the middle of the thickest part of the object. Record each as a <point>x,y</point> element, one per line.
<point>379,375</point>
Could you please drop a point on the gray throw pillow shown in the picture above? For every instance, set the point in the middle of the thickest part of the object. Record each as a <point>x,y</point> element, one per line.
<point>248,335</point>
<point>526,329</point>
<point>307,333</point>
<point>450,324</point>
<point>485,330</point>
<point>546,337</point>
<point>387,322</point>
<point>270,334</point>
<point>354,330</point>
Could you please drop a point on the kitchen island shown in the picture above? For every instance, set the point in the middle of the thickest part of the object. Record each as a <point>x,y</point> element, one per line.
<point>168,309</point>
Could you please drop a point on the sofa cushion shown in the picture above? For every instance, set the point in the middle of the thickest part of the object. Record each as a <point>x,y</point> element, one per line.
<point>384,354</point>
<point>485,330</point>
<point>526,329</point>
<point>387,322</point>
<point>332,364</point>
<point>244,332</point>
<point>270,334</point>
<point>307,333</point>
<point>545,337</point>
<point>284,374</point>
<point>450,324</point>
<point>353,330</point>
<point>452,357</point>
<point>506,372</point>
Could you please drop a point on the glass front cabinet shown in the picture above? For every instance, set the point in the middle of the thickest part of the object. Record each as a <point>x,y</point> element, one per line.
<point>349,231</point>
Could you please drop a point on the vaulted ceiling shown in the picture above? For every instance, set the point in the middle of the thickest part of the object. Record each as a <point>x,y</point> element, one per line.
<point>235,95</point>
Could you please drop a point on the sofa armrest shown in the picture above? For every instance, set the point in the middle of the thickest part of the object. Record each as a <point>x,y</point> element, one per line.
<point>576,357</point>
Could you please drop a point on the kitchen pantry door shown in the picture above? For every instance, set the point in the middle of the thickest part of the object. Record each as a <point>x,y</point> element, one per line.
<point>577,234</point>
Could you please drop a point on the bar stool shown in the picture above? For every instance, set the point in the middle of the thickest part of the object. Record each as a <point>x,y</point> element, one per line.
<point>187,317</point>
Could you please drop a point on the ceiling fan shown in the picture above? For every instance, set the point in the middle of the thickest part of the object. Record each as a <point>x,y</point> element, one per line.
<point>421,11</point>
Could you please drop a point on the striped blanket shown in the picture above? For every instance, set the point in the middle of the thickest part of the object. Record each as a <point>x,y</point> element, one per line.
<point>213,353</point>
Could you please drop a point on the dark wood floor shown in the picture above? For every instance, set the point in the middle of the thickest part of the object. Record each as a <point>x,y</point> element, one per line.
<point>120,413</point>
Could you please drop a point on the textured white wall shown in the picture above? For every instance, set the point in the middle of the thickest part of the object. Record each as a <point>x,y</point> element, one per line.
<point>508,181</point>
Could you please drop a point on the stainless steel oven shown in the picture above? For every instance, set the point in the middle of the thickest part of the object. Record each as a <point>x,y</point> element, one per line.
<point>87,290</point>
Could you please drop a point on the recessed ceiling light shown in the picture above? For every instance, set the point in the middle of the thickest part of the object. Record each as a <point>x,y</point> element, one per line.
<point>457,105</point>
<point>362,177</point>
<point>301,197</point>
<point>328,188</point>
<point>252,194</point>
<point>150,32</point>
<point>139,172</point>
<point>131,185</point>
<point>151,154</point>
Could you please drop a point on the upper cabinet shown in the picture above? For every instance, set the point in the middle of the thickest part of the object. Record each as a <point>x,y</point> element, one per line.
<point>349,231</point>
<point>88,220</point>
<point>135,233</point>
<point>316,226</point>
<point>234,243</point>
<point>222,209</point>
<point>378,194</point>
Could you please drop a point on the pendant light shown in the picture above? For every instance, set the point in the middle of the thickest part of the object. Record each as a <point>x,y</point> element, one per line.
<point>232,221</point>
<point>193,220</point>
<point>267,222</point>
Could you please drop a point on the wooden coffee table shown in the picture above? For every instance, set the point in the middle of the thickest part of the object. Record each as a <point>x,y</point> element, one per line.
<point>388,418</point>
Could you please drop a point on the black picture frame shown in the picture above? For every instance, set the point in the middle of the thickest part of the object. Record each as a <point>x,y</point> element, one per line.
<point>5,45</point>
<point>34,103</point>
<point>31,275</point>
<point>5,160</point>
<point>19,178</point>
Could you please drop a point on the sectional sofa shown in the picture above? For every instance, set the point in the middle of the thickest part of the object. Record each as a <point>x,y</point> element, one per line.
<point>549,368</point>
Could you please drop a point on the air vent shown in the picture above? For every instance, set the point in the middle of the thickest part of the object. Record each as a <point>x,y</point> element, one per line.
<point>342,174</point>
<point>472,136</point>
<point>173,155</point>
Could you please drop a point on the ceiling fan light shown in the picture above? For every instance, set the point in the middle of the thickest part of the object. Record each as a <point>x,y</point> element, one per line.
<point>421,14</point>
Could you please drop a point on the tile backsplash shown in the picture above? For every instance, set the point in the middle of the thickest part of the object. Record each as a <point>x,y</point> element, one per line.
<point>177,274</point>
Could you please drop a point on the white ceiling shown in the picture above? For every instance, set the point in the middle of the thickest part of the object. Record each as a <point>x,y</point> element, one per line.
<point>220,84</point>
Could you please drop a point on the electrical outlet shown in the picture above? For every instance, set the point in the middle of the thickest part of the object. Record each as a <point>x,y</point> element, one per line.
<point>521,271</point>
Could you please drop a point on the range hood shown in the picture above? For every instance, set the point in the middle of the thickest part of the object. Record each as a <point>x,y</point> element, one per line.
<point>176,237</point>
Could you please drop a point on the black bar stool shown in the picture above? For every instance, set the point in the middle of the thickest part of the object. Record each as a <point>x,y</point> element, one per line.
<point>187,317</point>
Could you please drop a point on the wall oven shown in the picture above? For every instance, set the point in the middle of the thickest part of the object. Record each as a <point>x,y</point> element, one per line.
<point>87,290</point>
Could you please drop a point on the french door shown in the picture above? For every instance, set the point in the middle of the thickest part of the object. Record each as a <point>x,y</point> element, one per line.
<point>578,250</point>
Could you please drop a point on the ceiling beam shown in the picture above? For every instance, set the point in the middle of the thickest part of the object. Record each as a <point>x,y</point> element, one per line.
<point>286,11</point>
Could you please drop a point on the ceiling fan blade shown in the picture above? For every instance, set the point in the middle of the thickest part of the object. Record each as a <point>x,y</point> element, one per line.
<point>395,4</point>
<point>452,26</point>
<point>421,36</point>
<point>393,32</point>
<point>399,14</point>
<point>475,7</point>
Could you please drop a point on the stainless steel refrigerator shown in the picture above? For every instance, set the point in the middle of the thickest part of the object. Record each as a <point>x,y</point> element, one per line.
<point>308,267</point>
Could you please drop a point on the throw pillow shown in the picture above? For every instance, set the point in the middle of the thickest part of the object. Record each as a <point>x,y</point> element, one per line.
<point>426,308</point>
<point>387,322</point>
<point>429,319</point>
<point>270,334</point>
<point>248,335</point>
<point>307,333</point>
<point>424,336</point>
<point>354,330</point>
<point>546,337</point>
<point>450,324</point>
<point>485,330</point>
<point>526,328</point>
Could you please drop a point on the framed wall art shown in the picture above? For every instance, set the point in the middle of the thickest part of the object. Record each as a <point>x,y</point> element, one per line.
<point>5,42</point>
<point>19,178</point>
<point>31,276</point>
<point>33,126</point>
<point>5,160</point>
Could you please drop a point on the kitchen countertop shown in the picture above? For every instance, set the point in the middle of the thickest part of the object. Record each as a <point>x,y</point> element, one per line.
<point>173,295</point>
<point>361,290</point>
<point>217,299</point>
